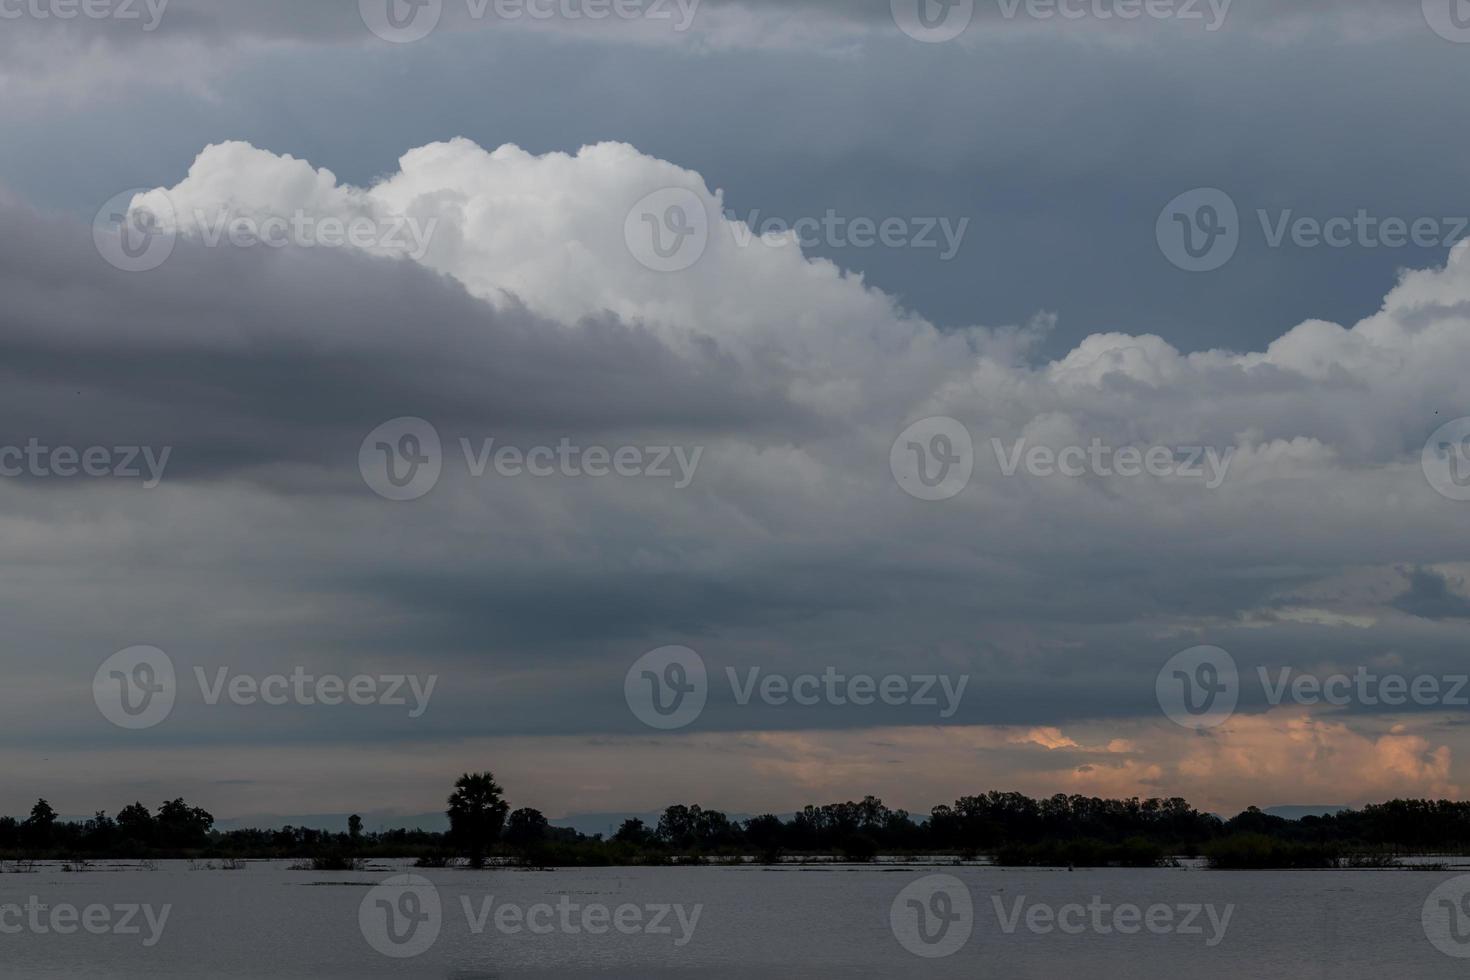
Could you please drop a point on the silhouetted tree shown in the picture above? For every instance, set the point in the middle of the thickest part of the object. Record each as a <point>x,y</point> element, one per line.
<point>634,831</point>
<point>39,829</point>
<point>182,826</point>
<point>99,833</point>
<point>135,823</point>
<point>766,835</point>
<point>1010,827</point>
<point>477,810</point>
<point>526,827</point>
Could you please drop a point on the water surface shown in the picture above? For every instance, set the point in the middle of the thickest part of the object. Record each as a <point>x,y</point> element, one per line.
<point>834,921</point>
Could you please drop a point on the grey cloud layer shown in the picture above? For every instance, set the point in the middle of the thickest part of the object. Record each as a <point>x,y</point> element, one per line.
<point>793,550</point>
<point>336,20</point>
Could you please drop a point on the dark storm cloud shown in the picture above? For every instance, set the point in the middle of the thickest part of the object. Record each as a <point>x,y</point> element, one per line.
<point>244,358</point>
<point>341,20</point>
<point>1429,596</point>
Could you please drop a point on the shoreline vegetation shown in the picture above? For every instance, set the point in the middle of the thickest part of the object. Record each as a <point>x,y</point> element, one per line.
<point>1007,829</point>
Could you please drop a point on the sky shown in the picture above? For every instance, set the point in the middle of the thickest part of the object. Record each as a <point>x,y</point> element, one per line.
<point>620,403</point>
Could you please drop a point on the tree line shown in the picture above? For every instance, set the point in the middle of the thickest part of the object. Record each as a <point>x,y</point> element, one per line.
<point>1010,828</point>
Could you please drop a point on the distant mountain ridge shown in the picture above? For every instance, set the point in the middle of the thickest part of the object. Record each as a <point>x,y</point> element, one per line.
<point>1297,812</point>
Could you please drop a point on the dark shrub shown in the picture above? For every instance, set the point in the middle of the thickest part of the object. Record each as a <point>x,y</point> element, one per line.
<point>1259,851</point>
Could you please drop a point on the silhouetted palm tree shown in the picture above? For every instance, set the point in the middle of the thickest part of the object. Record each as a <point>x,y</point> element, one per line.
<point>477,810</point>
